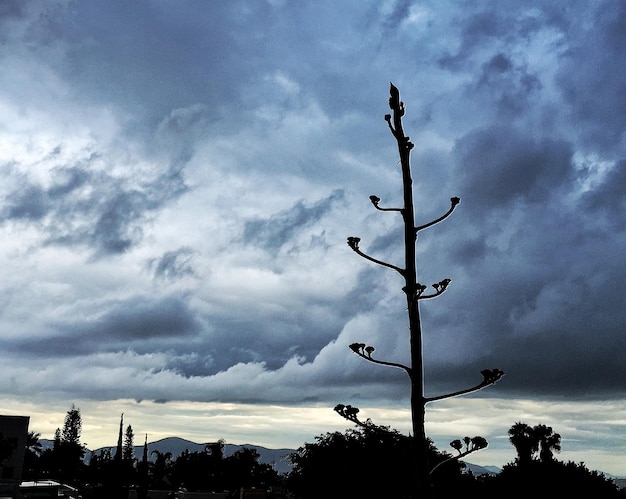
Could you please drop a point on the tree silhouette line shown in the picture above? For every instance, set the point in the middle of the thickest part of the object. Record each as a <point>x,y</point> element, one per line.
<point>375,461</point>
<point>368,460</point>
<point>111,475</point>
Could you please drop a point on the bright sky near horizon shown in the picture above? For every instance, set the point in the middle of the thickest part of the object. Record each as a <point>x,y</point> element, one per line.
<point>178,180</point>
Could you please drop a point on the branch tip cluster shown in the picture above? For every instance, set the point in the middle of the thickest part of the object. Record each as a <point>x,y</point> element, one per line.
<point>365,351</point>
<point>353,242</point>
<point>471,445</point>
<point>491,376</point>
<point>362,349</point>
<point>454,201</point>
<point>419,289</point>
<point>350,413</point>
<point>376,200</point>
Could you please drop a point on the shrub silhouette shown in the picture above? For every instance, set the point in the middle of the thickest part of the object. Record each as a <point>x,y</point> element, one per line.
<point>368,461</point>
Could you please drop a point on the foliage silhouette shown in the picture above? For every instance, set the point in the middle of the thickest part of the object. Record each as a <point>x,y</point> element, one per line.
<point>32,465</point>
<point>128,450</point>
<point>65,460</point>
<point>210,470</point>
<point>368,461</point>
<point>375,461</point>
<point>548,480</point>
<point>536,473</point>
<point>111,476</point>
<point>530,441</point>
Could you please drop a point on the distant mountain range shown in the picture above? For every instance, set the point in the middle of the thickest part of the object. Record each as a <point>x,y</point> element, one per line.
<point>176,446</point>
<point>482,470</point>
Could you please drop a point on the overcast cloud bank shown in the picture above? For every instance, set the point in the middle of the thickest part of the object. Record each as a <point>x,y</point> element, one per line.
<point>178,183</point>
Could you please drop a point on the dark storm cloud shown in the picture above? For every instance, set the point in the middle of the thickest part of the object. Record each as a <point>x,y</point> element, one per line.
<point>476,30</point>
<point>517,166</point>
<point>113,231</point>
<point>606,204</point>
<point>117,217</point>
<point>85,206</point>
<point>281,227</point>
<point>67,180</point>
<point>204,51</point>
<point>545,297</point>
<point>564,339</point>
<point>482,28</point>
<point>591,76</point>
<point>142,318</point>
<point>140,323</point>
<point>173,264</point>
<point>506,84</point>
<point>469,250</point>
<point>30,203</point>
<point>274,337</point>
<point>400,11</point>
<point>556,349</point>
<point>11,8</point>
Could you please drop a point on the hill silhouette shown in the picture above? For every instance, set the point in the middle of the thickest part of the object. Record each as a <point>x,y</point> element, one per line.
<point>176,446</point>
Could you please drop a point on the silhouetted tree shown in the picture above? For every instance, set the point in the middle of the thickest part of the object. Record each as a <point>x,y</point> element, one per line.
<point>525,442</point>
<point>216,449</point>
<point>32,442</point>
<point>369,461</point>
<point>143,468</point>
<point>414,292</point>
<point>57,438</point>
<point>549,442</point>
<point>32,465</point>
<point>120,440</point>
<point>243,469</point>
<point>72,427</point>
<point>464,449</point>
<point>65,460</point>
<point>209,470</point>
<point>70,449</point>
<point>195,470</point>
<point>200,470</point>
<point>161,469</point>
<point>535,473</point>
<point>534,442</point>
<point>102,475</point>
<point>128,452</point>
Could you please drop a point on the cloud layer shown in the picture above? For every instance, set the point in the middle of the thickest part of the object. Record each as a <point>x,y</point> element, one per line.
<point>178,183</point>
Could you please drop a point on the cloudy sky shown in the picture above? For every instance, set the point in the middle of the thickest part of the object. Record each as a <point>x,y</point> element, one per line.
<point>178,180</point>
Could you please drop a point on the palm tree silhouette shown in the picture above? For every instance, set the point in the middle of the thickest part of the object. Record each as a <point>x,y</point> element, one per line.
<point>530,440</point>
<point>548,442</point>
<point>32,442</point>
<point>525,442</point>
